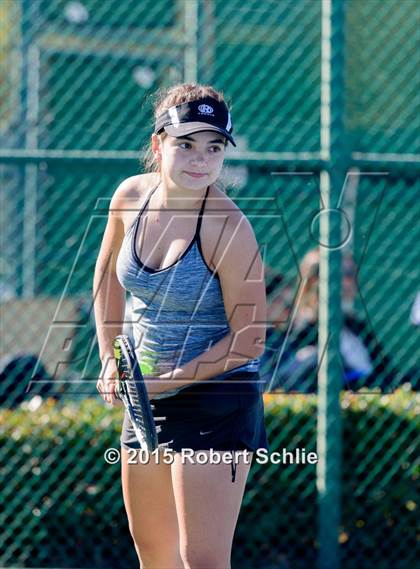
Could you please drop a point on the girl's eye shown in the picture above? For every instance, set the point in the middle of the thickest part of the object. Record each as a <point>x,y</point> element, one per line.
<point>187,145</point>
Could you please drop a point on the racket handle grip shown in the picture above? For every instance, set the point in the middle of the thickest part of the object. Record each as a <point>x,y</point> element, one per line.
<point>117,390</point>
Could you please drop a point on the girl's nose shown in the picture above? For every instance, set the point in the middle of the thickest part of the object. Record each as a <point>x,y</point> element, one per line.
<point>198,157</point>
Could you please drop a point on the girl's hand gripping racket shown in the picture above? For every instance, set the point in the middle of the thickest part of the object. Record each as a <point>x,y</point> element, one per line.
<point>131,389</point>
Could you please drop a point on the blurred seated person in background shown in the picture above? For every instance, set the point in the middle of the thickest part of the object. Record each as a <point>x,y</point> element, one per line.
<point>290,361</point>
<point>280,300</point>
<point>415,311</point>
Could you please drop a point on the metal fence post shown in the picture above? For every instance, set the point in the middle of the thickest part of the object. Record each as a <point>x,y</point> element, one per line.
<point>330,220</point>
<point>30,106</point>
<point>191,41</point>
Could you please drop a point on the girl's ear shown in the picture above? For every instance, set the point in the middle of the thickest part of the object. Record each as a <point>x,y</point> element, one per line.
<point>156,146</point>
<point>156,143</point>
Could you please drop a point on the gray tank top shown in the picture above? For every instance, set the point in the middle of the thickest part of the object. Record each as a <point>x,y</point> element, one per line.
<point>178,311</point>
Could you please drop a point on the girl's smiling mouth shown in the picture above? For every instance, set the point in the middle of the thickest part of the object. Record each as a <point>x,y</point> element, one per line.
<point>195,174</point>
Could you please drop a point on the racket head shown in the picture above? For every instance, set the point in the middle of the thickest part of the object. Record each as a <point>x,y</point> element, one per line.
<point>131,389</point>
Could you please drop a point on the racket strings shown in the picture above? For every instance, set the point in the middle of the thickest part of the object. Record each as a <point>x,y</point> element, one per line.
<point>133,393</point>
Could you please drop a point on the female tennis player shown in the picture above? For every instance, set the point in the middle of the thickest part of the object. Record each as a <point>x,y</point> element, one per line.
<point>189,258</point>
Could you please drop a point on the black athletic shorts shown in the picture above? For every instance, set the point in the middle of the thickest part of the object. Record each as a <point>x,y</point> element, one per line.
<point>220,415</point>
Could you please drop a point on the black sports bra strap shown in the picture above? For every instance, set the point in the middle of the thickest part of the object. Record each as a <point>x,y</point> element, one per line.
<point>200,215</point>
<point>148,199</point>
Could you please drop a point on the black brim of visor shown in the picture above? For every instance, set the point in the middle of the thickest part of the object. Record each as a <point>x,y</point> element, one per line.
<point>190,128</point>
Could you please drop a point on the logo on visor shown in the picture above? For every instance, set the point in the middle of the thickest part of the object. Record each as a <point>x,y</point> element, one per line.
<point>206,109</point>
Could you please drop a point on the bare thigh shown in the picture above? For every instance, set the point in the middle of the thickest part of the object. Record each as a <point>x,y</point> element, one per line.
<point>208,505</point>
<point>150,506</point>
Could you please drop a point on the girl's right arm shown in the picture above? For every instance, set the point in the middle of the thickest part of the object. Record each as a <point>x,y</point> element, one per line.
<point>109,296</point>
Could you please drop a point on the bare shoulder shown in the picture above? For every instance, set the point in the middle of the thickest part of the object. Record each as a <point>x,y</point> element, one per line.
<point>225,215</point>
<point>221,209</point>
<point>129,196</point>
<point>132,188</point>
<point>225,227</point>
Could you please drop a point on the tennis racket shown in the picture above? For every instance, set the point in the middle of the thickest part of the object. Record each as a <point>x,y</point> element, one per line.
<point>131,389</point>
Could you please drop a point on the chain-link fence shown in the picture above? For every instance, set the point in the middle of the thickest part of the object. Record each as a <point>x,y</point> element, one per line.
<point>76,84</point>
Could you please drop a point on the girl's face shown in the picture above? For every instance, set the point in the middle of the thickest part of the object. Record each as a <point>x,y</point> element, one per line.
<point>192,162</point>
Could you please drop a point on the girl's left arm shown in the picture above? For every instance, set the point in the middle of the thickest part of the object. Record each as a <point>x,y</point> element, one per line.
<point>241,272</point>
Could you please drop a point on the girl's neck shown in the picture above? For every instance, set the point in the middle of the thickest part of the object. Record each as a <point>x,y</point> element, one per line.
<point>169,196</point>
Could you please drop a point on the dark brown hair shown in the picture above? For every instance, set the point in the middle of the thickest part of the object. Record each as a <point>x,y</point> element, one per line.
<point>176,95</point>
